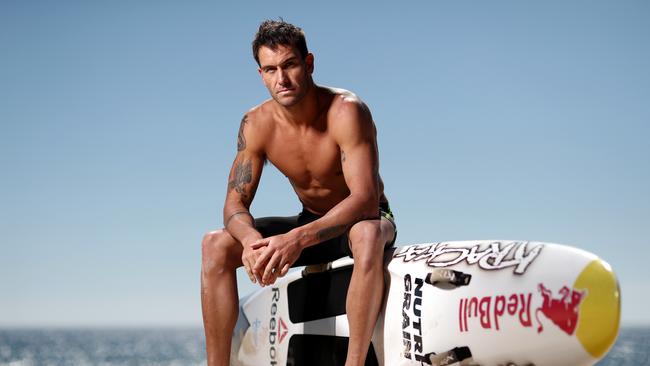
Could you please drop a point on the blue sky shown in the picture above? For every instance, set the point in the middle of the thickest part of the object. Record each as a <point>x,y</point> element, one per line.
<point>497,120</point>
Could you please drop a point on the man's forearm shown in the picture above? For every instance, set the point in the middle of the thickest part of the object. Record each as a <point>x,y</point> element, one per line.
<point>232,215</point>
<point>240,224</point>
<point>339,219</point>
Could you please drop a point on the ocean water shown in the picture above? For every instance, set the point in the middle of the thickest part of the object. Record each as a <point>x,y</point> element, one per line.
<point>112,347</point>
<point>106,347</point>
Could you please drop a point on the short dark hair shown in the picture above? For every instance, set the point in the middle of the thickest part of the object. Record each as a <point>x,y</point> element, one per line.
<point>273,33</point>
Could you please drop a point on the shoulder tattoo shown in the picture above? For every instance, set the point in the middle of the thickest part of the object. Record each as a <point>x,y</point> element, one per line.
<point>241,141</point>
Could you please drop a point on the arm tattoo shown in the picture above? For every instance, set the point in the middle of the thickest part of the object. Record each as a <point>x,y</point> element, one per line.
<point>241,141</point>
<point>330,232</point>
<point>225,224</point>
<point>342,156</point>
<point>242,176</point>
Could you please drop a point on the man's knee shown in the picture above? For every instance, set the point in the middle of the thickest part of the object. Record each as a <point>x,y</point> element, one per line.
<point>366,243</point>
<point>220,252</point>
<point>366,232</point>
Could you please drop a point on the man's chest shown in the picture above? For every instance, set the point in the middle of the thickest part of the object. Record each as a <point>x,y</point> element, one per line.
<point>306,158</point>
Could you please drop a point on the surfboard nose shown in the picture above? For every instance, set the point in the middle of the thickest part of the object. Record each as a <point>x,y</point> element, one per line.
<point>600,310</point>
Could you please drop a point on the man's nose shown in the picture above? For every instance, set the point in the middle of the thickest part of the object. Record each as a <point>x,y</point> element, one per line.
<point>282,77</point>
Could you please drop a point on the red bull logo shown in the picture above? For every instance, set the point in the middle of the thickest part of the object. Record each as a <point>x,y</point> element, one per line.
<point>562,311</point>
<point>491,312</point>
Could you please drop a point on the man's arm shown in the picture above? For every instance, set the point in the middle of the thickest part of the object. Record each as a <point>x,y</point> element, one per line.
<point>354,131</point>
<point>242,184</point>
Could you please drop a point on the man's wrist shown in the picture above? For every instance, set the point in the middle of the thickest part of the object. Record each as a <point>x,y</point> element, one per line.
<point>250,239</point>
<point>302,236</point>
<point>236,213</point>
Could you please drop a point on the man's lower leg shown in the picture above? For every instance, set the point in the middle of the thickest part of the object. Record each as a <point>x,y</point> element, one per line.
<point>220,307</point>
<point>363,304</point>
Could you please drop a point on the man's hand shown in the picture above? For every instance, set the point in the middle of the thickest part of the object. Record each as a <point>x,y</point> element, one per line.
<point>279,253</point>
<point>249,256</point>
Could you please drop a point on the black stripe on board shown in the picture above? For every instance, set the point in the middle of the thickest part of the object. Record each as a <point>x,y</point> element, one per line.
<point>319,295</point>
<point>321,350</point>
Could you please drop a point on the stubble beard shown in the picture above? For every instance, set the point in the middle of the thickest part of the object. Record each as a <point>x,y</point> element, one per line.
<point>296,99</point>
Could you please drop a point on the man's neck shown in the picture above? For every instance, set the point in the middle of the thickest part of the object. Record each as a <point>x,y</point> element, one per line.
<point>304,112</point>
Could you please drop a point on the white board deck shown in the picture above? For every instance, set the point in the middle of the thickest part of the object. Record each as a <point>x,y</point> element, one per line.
<point>523,303</point>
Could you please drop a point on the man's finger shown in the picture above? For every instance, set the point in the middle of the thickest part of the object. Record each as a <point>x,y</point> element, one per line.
<point>281,271</point>
<point>248,266</point>
<point>271,267</point>
<point>259,243</point>
<point>261,260</point>
<point>258,271</point>
<point>285,269</point>
<point>274,276</point>
<point>249,272</point>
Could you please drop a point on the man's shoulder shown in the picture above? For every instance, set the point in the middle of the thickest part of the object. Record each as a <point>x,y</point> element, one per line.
<point>259,116</point>
<point>255,128</point>
<point>344,101</point>
<point>347,109</point>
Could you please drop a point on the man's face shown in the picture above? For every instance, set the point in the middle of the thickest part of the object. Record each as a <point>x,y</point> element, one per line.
<point>285,74</point>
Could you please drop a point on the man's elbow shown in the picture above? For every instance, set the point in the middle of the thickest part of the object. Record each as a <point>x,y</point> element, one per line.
<point>369,206</point>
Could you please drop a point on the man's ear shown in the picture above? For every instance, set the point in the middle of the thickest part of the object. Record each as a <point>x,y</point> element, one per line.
<point>309,61</point>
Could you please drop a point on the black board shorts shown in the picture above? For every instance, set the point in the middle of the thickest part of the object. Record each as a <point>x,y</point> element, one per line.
<point>324,252</point>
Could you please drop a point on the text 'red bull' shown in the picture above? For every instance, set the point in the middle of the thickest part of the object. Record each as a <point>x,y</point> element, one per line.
<point>490,309</point>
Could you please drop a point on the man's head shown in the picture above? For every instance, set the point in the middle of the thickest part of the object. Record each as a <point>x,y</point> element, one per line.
<point>284,62</point>
<point>274,33</point>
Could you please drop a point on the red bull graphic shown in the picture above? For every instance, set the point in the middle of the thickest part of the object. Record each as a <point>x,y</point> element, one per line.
<point>563,311</point>
<point>490,309</point>
<point>489,312</point>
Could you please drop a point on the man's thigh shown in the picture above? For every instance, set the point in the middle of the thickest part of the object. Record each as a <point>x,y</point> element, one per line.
<point>276,225</point>
<point>342,246</point>
<point>326,251</point>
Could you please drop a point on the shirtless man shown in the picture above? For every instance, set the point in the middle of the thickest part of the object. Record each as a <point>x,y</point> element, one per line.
<point>324,141</point>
